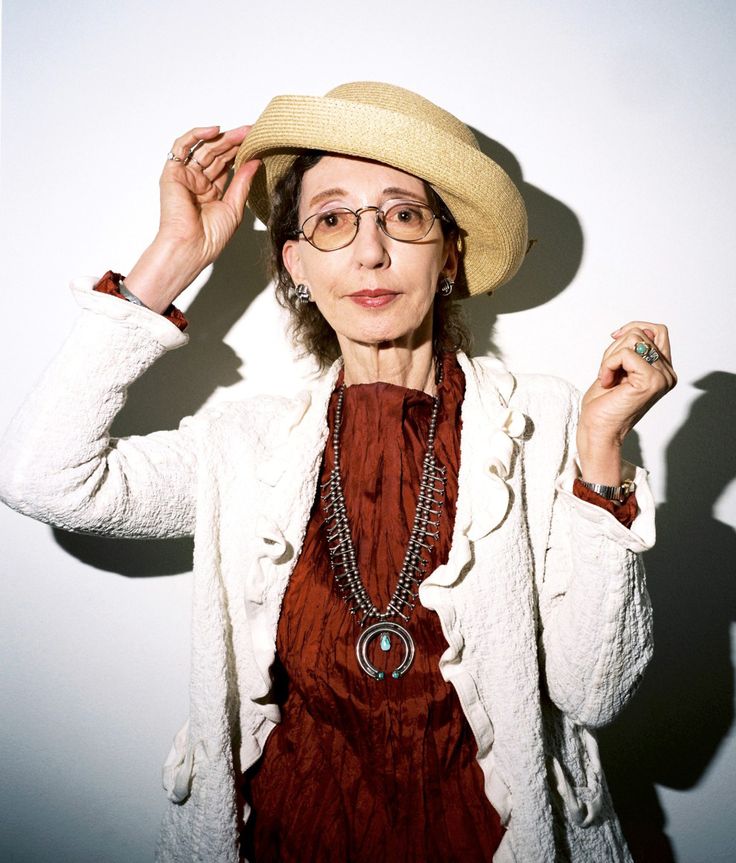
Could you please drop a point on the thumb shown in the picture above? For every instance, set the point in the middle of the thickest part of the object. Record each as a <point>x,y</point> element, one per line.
<point>237,192</point>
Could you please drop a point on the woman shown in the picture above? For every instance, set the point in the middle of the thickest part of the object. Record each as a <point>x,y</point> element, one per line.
<point>453,727</point>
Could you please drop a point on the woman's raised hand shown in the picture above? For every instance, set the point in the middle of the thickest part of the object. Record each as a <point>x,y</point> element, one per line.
<point>636,371</point>
<point>199,214</point>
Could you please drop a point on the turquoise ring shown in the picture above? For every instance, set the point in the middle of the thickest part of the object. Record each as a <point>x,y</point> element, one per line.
<point>647,352</point>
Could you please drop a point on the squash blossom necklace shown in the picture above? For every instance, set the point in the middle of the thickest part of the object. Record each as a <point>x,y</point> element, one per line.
<point>424,532</point>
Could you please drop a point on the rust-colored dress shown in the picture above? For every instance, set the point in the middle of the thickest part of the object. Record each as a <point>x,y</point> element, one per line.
<point>362,770</point>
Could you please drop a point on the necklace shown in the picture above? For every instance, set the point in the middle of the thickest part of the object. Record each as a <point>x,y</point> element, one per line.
<point>424,532</point>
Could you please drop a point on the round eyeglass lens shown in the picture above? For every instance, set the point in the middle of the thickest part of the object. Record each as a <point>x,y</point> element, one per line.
<point>331,230</point>
<point>408,221</point>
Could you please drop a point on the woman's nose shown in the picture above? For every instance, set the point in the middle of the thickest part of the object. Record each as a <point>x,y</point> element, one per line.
<point>370,242</point>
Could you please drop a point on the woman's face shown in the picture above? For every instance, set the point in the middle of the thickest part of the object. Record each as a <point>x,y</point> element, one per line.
<point>377,289</point>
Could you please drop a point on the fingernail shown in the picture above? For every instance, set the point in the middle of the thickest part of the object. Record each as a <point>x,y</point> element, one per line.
<point>616,332</point>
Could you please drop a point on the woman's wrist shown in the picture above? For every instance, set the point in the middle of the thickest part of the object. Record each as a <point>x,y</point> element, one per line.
<point>113,284</point>
<point>599,460</point>
<point>161,274</point>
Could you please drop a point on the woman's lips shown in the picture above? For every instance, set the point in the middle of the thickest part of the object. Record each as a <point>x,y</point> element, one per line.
<point>373,299</point>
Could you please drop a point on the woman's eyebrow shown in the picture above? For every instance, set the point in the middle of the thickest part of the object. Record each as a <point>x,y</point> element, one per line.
<point>404,193</point>
<point>326,195</point>
<point>389,191</point>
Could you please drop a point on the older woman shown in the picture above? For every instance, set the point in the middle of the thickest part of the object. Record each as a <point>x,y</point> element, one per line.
<point>417,588</point>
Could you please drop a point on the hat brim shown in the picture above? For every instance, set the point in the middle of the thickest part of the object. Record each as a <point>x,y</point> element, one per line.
<point>484,201</point>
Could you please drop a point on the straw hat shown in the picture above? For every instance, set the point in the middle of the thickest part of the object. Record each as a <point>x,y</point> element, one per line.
<point>399,128</point>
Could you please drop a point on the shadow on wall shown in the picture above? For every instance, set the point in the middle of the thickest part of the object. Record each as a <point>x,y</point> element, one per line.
<point>671,731</point>
<point>177,386</point>
<point>549,267</point>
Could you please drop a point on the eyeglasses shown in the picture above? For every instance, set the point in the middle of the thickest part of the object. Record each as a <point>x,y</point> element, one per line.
<point>406,221</point>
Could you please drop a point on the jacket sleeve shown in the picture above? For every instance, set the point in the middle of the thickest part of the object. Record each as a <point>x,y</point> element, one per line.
<point>595,614</point>
<point>58,462</point>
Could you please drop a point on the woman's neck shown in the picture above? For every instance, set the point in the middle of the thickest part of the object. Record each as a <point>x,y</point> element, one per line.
<point>405,366</point>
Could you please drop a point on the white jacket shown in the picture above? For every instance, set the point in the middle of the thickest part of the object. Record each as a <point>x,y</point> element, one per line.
<point>542,600</point>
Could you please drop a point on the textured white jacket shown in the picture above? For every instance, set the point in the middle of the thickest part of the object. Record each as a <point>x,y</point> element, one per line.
<point>542,600</point>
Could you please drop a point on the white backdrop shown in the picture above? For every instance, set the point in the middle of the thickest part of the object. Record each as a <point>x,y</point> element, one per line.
<point>618,121</point>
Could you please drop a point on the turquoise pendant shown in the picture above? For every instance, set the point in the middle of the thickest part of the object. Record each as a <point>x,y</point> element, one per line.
<point>383,631</point>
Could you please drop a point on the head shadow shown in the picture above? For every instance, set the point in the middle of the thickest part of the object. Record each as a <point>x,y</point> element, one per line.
<point>550,264</point>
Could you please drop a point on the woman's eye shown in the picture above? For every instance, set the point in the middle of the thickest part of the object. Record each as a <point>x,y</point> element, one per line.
<point>330,220</point>
<point>405,214</point>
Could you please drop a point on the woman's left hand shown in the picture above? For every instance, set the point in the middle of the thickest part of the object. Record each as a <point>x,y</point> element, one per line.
<point>627,386</point>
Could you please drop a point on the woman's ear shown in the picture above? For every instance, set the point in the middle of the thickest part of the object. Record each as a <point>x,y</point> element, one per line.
<point>291,256</point>
<point>452,258</point>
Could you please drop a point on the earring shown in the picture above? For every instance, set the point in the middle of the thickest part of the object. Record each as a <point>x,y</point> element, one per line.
<point>302,294</point>
<point>446,286</point>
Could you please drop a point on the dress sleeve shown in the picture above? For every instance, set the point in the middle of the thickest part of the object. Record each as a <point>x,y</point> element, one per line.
<point>110,284</point>
<point>58,462</point>
<point>595,614</point>
<point>624,512</point>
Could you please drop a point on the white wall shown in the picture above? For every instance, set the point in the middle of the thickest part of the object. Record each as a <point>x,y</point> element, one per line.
<point>617,117</point>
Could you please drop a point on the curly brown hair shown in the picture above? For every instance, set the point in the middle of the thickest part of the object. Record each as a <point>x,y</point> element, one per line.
<point>309,329</point>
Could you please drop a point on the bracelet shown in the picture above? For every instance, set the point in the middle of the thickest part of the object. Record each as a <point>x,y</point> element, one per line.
<point>112,283</point>
<point>129,295</point>
<point>617,493</point>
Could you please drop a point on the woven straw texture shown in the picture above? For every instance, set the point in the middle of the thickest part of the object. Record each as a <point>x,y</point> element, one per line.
<point>399,128</point>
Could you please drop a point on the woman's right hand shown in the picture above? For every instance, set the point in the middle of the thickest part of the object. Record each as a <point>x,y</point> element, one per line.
<point>198,214</point>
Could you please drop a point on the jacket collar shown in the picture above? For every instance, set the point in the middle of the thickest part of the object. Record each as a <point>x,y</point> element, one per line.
<point>489,426</point>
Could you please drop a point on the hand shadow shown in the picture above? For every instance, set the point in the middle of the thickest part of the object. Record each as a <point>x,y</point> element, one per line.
<point>177,386</point>
<point>671,731</point>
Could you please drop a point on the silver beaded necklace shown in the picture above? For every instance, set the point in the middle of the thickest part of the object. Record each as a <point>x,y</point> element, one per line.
<point>424,532</point>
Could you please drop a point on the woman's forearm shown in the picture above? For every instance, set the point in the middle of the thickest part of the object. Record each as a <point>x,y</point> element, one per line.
<point>58,462</point>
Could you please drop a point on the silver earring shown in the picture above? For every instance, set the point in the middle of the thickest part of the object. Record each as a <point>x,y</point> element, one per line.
<point>446,286</point>
<point>302,294</point>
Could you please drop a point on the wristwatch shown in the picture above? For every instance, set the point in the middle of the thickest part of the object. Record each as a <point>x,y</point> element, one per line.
<point>617,493</point>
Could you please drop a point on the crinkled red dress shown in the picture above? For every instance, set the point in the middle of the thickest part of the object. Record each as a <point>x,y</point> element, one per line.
<point>362,770</point>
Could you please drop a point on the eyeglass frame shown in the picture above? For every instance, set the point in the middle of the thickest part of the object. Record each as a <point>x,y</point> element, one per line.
<point>380,221</point>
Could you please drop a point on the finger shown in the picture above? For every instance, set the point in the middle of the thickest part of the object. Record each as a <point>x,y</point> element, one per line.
<point>193,162</point>
<point>237,192</point>
<point>632,339</point>
<point>626,365</point>
<point>184,143</point>
<point>648,337</point>
<point>628,339</point>
<point>624,358</point>
<point>215,166</point>
<point>227,142</point>
<point>657,332</point>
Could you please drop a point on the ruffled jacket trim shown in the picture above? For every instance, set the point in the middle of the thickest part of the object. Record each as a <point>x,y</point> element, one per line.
<point>542,600</point>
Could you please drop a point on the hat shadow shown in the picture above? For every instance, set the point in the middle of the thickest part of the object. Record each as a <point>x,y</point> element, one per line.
<point>671,731</point>
<point>550,265</point>
<point>178,385</point>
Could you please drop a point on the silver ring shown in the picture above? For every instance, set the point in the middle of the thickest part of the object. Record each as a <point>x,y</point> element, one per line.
<point>172,157</point>
<point>194,159</point>
<point>651,356</point>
